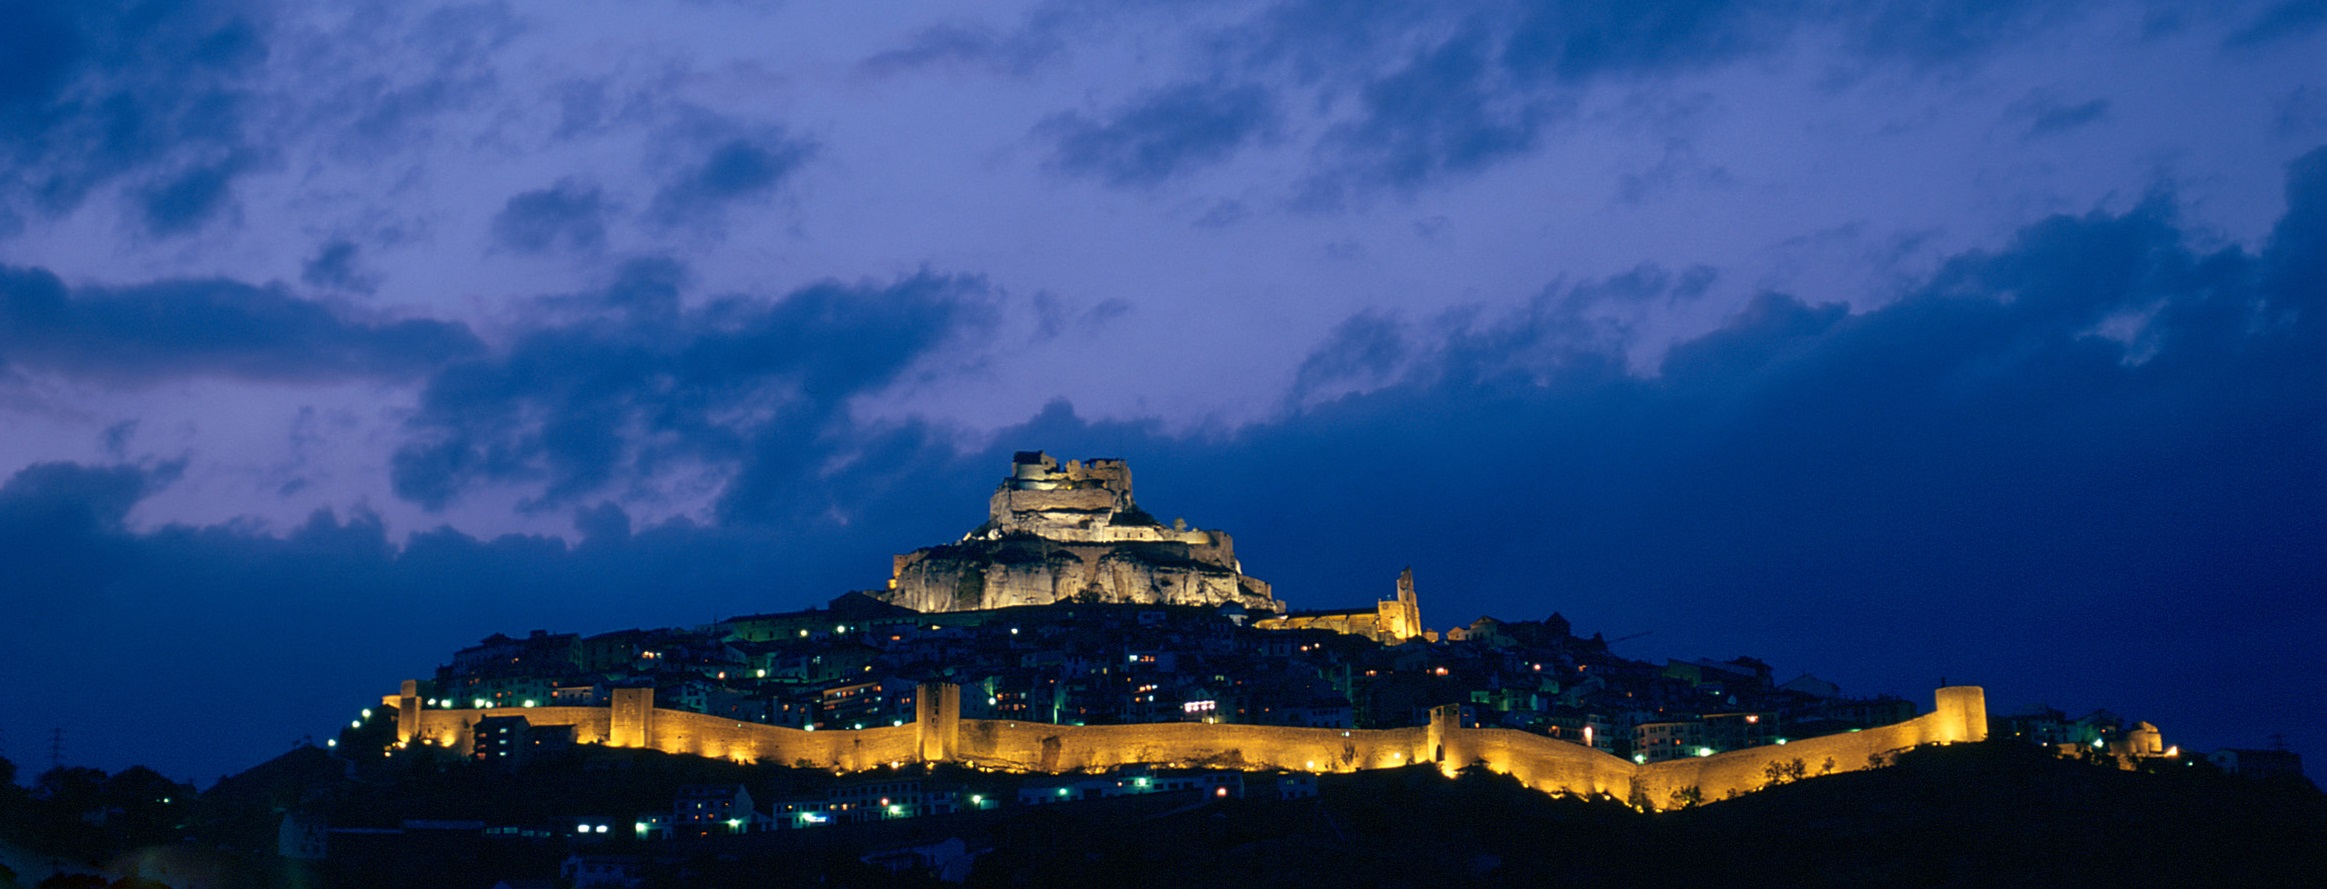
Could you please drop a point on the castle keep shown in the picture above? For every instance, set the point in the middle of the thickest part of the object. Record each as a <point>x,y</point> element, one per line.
<point>1073,534</point>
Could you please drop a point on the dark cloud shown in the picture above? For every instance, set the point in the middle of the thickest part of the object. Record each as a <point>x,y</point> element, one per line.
<point>2285,20</point>
<point>1447,110</point>
<point>2302,113</point>
<point>336,266</point>
<point>62,523</point>
<point>1365,351</point>
<point>1162,134</point>
<point>332,610</point>
<point>625,383</point>
<point>153,95</point>
<point>1679,165</point>
<point>147,332</point>
<point>1409,95</point>
<point>1939,34</point>
<point>966,45</point>
<point>445,64</point>
<point>569,215</point>
<point>1580,42</point>
<point>189,198</point>
<point>2044,115</point>
<point>732,170</point>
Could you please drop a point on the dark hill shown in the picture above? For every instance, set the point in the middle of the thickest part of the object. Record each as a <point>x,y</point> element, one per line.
<point>1971,815</point>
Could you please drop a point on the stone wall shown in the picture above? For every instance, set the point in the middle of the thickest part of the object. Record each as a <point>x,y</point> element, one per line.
<point>939,734</point>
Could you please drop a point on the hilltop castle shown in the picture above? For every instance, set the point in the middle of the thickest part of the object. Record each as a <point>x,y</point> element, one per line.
<point>1073,534</point>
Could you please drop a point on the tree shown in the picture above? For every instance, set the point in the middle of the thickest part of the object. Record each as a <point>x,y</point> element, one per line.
<point>1784,772</point>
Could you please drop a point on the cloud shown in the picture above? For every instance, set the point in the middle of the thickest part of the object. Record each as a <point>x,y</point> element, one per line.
<point>569,215</point>
<point>153,95</point>
<point>144,333</point>
<point>1446,111</point>
<point>618,385</point>
<point>1580,42</point>
<point>441,62</point>
<point>966,45</point>
<point>1162,134</point>
<point>2046,115</point>
<point>1937,35</point>
<point>332,609</point>
<point>733,170</point>
<point>335,267</point>
<point>1679,165</point>
<point>1364,351</point>
<point>2286,20</point>
<point>1405,96</point>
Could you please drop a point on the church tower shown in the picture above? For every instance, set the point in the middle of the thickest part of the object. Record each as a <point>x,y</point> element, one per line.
<point>1400,619</point>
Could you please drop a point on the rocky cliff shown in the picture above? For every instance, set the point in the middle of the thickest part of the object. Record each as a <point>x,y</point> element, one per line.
<point>1073,533</point>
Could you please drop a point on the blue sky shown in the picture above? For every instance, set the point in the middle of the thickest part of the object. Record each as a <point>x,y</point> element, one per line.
<point>1882,341</point>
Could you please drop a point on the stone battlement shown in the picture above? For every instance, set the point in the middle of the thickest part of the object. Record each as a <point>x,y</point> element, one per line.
<point>940,734</point>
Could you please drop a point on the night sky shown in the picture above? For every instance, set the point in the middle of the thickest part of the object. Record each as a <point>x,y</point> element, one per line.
<point>1882,341</point>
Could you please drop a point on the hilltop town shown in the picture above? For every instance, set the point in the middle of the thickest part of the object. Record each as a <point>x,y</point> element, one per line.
<point>1071,606</point>
<point>1070,650</point>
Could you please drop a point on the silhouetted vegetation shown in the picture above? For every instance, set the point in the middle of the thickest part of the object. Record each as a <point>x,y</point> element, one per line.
<point>1965,815</point>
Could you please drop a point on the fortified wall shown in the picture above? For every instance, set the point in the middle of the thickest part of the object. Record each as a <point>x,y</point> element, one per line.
<point>939,734</point>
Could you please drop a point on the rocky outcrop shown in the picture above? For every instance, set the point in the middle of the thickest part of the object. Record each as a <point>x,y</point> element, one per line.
<point>1069,534</point>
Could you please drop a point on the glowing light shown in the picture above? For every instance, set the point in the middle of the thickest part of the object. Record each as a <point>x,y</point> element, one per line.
<point>529,702</point>
<point>1062,791</point>
<point>1641,758</point>
<point>1704,751</point>
<point>367,712</point>
<point>1221,791</point>
<point>333,742</point>
<point>1781,740</point>
<point>763,674</point>
<point>355,725</point>
<point>977,799</point>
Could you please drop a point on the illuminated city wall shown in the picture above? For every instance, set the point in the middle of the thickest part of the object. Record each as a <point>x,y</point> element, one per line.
<point>1043,747</point>
<point>939,734</point>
